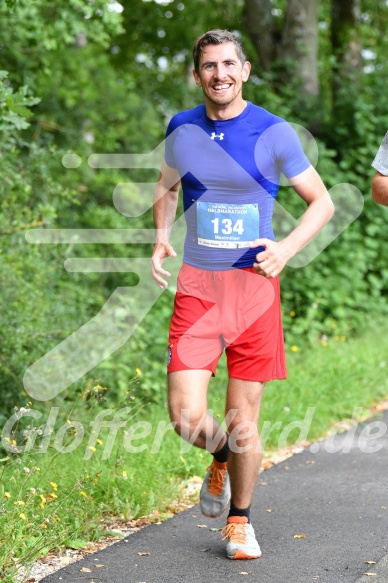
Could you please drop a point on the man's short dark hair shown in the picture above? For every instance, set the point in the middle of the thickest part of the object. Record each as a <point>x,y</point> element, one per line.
<point>217,37</point>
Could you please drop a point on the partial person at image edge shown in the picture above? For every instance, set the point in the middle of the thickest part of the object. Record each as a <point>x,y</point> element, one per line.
<point>380,179</point>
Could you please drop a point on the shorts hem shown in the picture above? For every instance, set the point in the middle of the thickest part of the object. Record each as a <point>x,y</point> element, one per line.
<point>267,380</point>
<point>185,368</point>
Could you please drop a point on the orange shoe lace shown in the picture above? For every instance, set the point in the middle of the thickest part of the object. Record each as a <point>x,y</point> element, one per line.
<point>235,532</point>
<point>216,478</point>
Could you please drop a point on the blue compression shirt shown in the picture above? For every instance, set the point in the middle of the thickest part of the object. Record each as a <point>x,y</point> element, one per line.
<point>230,172</point>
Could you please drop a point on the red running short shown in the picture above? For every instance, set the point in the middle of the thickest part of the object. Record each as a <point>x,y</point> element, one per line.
<point>236,310</point>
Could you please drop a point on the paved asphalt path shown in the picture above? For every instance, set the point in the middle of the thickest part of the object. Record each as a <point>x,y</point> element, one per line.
<point>339,501</point>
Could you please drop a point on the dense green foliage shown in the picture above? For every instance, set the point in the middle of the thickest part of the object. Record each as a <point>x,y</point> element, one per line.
<point>83,77</point>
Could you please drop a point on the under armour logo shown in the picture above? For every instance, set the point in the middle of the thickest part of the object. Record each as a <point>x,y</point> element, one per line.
<point>214,136</point>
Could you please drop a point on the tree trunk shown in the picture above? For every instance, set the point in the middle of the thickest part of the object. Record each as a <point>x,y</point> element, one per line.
<point>259,23</point>
<point>300,44</point>
<point>294,49</point>
<point>344,34</point>
<point>347,68</point>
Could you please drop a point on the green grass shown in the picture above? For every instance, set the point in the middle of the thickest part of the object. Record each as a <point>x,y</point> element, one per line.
<point>69,495</point>
<point>334,380</point>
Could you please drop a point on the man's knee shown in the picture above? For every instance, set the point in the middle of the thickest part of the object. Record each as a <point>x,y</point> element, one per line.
<point>186,417</point>
<point>187,399</point>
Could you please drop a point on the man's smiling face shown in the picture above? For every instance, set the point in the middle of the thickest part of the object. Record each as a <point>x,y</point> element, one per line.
<point>221,75</point>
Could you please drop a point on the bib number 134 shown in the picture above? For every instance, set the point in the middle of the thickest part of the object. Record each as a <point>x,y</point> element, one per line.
<point>227,227</point>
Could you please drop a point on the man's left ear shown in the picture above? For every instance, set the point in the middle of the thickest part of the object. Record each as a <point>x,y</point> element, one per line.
<point>246,71</point>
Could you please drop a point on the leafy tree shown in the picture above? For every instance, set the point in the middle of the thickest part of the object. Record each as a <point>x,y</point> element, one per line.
<point>39,305</point>
<point>81,77</point>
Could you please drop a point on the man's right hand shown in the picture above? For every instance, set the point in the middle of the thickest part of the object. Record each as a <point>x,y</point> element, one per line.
<point>160,252</point>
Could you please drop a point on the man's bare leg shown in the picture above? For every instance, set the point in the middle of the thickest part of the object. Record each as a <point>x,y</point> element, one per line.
<point>245,456</point>
<point>187,400</point>
<point>243,400</point>
<point>188,409</point>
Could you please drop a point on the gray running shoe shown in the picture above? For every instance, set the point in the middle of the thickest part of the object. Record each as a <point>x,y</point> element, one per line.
<point>242,543</point>
<point>215,492</point>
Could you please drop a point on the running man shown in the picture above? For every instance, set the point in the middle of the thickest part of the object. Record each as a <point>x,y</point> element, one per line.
<point>228,154</point>
<point>380,179</point>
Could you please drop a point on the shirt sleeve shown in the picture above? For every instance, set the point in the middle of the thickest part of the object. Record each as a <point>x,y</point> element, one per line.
<point>279,150</point>
<point>169,143</point>
<point>289,152</point>
<point>380,163</point>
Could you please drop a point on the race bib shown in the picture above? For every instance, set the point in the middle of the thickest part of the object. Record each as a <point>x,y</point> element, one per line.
<point>227,226</point>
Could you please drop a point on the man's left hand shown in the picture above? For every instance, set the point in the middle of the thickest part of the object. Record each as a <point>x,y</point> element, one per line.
<point>270,261</point>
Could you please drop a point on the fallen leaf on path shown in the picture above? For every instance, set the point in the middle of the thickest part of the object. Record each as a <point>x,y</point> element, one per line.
<point>216,530</point>
<point>202,525</point>
<point>383,406</point>
<point>263,484</point>
<point>299,536</point>
<point>245,572</point>
<point>371,574</point>
<point>310,462</point>
<point>267,464</point>
<point>370,562</point>
<point>269,510</point>
<point>85,570</point>
<point>204,550</point>
<point>143,554</point>
<point>99,565</point>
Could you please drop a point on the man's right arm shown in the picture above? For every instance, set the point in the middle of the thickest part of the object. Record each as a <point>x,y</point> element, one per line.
<point>165,205</point>
<point>380,188</point>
